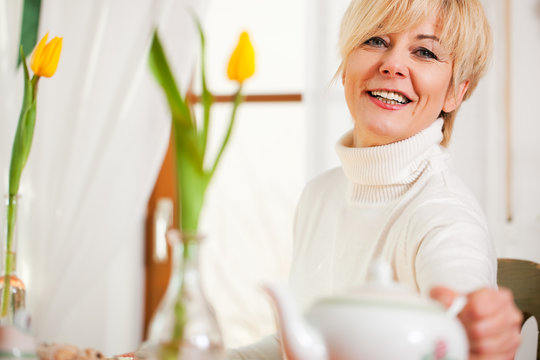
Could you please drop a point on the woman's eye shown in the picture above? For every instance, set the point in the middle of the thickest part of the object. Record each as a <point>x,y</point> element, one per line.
<point>425,53</point>
<point>375,41</point>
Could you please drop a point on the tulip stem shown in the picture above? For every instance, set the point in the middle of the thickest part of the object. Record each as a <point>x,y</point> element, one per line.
<point>9,254</point>
<point>206,97</point>
<point>237,100</point>
<point>34,82</point>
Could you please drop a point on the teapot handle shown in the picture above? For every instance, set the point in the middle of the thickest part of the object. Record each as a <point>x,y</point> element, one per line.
<point>457,305</point>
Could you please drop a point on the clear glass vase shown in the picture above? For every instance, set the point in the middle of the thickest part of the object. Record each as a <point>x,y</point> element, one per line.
<point>185,325</point>
<point>12,289</point>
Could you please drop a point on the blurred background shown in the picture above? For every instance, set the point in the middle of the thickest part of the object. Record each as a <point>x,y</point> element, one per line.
<point>103,131</point>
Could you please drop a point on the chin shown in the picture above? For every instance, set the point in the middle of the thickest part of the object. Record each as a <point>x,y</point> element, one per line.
<point>384,131</point>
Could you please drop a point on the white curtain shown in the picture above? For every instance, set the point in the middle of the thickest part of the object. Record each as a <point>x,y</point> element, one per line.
<point>101,133</point>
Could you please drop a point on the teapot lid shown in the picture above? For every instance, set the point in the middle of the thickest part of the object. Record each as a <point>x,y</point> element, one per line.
<point>382,290</point>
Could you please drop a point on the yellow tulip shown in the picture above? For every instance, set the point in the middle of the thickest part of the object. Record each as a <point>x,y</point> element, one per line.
<point>46,56</point>
<point>242,61</point>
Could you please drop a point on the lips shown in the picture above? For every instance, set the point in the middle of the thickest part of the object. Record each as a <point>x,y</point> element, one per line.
<point>390,97</point>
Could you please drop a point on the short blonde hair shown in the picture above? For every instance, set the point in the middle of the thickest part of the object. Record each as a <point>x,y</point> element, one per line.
<point>464,28</point>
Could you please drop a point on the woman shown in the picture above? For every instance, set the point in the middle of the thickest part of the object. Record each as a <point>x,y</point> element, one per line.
<point>406,67</point>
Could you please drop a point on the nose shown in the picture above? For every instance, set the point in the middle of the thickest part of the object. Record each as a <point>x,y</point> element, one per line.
<point>393,66</point>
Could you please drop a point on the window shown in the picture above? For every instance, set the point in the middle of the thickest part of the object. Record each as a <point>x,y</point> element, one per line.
<point>250,205</point>
<point>249,209</point>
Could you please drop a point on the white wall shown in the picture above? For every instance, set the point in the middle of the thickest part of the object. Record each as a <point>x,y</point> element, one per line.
<point>479,145</point>
<point>521,238</point>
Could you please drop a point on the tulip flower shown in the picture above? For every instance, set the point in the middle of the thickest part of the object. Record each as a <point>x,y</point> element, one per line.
<point>242,61</point>
<point>46,56</point>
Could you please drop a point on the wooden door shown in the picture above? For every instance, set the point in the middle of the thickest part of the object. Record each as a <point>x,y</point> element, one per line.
<point>158,272</point>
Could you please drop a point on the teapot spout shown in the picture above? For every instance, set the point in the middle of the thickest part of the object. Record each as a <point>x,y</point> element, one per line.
<point>299,339</point>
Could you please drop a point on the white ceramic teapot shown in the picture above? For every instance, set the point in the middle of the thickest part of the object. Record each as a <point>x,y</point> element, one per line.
<point>381,321</point>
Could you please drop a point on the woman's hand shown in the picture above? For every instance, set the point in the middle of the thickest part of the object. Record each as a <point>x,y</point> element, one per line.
<point>490,318</point>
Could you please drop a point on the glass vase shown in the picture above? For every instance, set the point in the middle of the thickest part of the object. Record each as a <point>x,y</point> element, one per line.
<point>12,289</point>
<point>184,325</point>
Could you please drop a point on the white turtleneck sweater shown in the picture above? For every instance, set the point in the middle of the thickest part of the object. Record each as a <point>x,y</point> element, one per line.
<point>398,201</point>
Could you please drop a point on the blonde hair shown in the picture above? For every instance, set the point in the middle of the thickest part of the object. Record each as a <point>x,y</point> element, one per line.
<point>464,30</point>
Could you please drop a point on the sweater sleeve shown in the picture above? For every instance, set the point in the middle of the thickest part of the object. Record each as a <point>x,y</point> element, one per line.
<point>457,253</point>
<point>268,348</point>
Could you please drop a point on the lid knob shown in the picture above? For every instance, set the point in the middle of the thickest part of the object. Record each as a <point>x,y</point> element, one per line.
<point>380,272</point>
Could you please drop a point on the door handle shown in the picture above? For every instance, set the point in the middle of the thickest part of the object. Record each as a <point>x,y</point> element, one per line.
<point>163,216</point>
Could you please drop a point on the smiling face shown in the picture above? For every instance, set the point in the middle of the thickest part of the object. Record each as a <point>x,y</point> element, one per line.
<point>397,84</point>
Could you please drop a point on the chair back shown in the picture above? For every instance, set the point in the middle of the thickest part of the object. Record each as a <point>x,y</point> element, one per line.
<point>523,278</point>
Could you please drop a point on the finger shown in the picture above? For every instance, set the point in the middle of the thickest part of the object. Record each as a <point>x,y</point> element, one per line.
<point>506,342</point>
<point>486,302</point>
<point>506,356</point>
<point>443,295</point>
<point>505,320</point>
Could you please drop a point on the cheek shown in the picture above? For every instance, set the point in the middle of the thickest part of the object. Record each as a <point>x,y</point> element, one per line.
<point>360,66</point>
<point>352,83</point>
<point>355,80</point>
<point>350,94</point>
<point>433,85</point>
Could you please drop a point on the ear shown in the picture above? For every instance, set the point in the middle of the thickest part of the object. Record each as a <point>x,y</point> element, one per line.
<point>454,98</point>
<point>343,77</point>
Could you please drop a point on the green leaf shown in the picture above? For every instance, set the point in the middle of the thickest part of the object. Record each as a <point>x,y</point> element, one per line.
<point>28,88</point>
<point>203,53</point>
<point>192,180</point>
<point>21,146</point>
<point>164,76</point>
<point>206,96</point>
<point>25,131</point>
<point>30,26</point>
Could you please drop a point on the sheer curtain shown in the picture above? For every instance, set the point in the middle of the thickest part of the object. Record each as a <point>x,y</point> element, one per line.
<point>101,133</point>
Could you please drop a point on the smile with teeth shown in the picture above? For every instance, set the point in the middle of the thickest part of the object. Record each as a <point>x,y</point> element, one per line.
<point>389,97</point>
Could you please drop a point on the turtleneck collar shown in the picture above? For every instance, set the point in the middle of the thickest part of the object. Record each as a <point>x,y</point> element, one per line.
<point>382,173</point>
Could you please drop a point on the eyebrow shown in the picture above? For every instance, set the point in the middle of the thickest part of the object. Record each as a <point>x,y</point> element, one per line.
<point>425,36</point>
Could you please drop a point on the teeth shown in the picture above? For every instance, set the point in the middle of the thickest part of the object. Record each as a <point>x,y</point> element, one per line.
<point>391,102</point>
<point>390,97</point>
